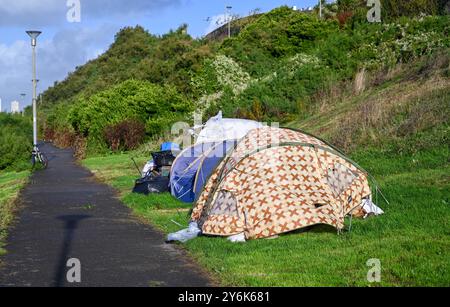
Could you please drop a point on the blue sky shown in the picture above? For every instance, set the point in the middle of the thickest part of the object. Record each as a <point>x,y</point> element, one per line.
<point>65,45</point>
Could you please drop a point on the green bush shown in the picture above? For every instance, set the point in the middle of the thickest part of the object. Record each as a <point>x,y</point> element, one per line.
<point>279,33</point>
<point>16,133</point>
<point>127,135</point>
<point>392,9</point>
<point>138,100</point>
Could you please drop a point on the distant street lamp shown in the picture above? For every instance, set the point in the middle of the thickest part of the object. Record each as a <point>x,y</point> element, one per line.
<point>23,101</point>
<point>229,20</point>
<point>33,35</point>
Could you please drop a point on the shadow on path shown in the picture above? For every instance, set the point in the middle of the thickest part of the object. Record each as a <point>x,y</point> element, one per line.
<point>71,224</point>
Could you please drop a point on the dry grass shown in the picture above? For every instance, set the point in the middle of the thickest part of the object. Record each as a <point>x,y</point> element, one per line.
<point>67,139</point>
<point>395,103</point>
<point>403,109</point>
<point>360,82</point>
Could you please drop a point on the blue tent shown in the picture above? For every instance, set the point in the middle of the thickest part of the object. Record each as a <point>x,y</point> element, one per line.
<point>193,166</point>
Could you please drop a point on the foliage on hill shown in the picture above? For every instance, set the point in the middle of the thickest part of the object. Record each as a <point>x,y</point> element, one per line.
<point>141,101</point>
<point>278,68</point>
<point>390,9</point>
<point>16,133</point>
<point>282,63</point>
<point>135,54</point>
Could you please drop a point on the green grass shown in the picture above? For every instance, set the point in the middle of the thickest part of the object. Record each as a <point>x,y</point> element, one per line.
<point>10,185</point>
<point>412,239</point>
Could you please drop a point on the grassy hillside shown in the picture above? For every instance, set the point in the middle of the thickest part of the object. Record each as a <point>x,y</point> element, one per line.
<point>278,68</point>
<point>402,110</point>
<point>135,54</point>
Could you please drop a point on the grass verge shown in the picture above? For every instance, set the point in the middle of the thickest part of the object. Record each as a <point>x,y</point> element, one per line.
<point>10,185</point>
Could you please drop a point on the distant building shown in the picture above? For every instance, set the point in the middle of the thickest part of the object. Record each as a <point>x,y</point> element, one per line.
<point>15,107</point>
<point>1,110</point>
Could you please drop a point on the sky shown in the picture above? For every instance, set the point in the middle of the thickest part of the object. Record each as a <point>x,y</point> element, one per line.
<point>75,31</point>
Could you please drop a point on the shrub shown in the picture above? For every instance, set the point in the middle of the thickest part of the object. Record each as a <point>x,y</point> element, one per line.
<point>277,34</point>
<point>395,8</point>
<point>392,9</point>
<point>80,147</point>
<point>385,45</point>
<point>127,135</point>
<point>64,138</point>
<point>343,17</point>
<point>15,141</point>
<point>141,101</point>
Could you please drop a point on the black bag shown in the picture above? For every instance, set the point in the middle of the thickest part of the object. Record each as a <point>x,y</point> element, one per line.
<point>152,184</point>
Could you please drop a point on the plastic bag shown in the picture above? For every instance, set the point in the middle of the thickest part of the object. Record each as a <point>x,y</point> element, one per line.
<point>239,238</point>
<point>148,168</point>
<point>186,234</point>
<point>370,208</point>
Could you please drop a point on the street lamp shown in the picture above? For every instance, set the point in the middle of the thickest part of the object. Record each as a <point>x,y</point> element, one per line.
<point>229,20</point>
<point>33,35</point>
<point>23,102</point>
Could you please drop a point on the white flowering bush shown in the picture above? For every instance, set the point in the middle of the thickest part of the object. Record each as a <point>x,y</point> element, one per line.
<point>230,74</point>
<point>207,100</point>
<point>420,44</point>
<point>300,60</point>
<point>395,42</point>
<point>221,74</point>
<point>291,66</point>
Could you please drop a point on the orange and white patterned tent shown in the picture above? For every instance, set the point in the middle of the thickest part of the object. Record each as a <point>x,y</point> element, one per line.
<point>276,181</point>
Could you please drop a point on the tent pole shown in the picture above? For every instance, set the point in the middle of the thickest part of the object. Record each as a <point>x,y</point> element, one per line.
<point>137,167</point>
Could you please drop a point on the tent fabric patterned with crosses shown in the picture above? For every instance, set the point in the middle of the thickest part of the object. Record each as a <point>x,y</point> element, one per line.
<point>276,181</point>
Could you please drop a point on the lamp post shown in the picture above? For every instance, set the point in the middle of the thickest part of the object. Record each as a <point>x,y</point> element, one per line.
<point>229,20</point>
<point>33,35</point>
<point>23,102</point>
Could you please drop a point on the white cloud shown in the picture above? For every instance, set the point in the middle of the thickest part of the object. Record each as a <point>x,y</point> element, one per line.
<point>55,58</point>
<point>31,12</point>
<point>20,6</point>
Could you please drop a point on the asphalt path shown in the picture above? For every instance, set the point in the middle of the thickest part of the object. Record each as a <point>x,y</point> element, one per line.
<point>65,214</point>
